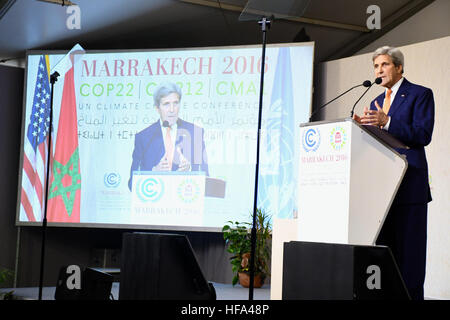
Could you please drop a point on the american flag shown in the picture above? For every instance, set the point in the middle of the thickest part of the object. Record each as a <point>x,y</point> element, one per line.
<point>36,147</point>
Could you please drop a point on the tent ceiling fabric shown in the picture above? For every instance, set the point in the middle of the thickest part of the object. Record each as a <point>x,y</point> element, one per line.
<point>338,27</point>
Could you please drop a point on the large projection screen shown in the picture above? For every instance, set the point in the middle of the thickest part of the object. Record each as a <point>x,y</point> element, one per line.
<point>104,116</point>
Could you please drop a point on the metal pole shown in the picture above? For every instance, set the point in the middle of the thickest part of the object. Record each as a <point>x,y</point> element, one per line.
<point>264,25</point>
<point>53,79</point>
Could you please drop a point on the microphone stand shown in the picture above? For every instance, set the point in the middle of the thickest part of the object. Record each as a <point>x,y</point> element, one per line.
<point>315,112</point>
<point>265,24</point>
<point>377,81</point>
<point>353,109</point>
<point>53,78</point>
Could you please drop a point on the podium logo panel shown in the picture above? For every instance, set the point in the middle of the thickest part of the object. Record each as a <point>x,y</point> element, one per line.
<point>150,189</point>
<point>188,190</point>
<point>311,139</point>
<point>170,199</point>
<point>338,138</point>
<point>111,180</point>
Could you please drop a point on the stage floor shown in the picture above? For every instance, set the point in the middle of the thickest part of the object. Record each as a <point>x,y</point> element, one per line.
<point>223,292</point>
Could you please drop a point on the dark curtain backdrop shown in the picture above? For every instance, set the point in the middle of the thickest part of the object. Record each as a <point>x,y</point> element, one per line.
<point>11,93</point>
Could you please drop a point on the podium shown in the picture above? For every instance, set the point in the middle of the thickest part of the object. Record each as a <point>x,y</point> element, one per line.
<point>172,198</point>
<point>348,177</point>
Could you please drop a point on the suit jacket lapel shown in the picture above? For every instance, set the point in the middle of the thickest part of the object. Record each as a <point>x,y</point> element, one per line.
<point>380,100</point>
<point>158,140</point>
<point>400,97</point>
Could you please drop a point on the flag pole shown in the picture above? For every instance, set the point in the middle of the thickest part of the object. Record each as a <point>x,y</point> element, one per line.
<point>53,78</point>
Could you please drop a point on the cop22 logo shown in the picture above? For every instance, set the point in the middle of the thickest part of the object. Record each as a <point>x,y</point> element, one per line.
<point>150,189</point>
<point>311,139</point>
<point>111,180</point>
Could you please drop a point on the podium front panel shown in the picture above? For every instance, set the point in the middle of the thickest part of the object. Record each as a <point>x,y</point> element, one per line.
<point>347,182</point>
<point>324,182</point>
<point>172,198</point>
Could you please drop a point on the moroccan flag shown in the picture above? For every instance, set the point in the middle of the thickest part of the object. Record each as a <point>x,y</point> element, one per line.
<point>65,182</point>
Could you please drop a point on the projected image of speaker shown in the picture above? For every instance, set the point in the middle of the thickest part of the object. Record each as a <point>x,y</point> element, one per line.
<point>75,283</point>
<point>161,266</point>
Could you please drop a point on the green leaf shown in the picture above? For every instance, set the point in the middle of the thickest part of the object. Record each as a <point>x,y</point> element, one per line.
<point>235,280</point>
<point>237,237</point>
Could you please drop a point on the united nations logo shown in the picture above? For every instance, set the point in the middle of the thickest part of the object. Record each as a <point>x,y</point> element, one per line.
<point>150,189</point>
<point>188,191</point>
<point>338,138</point>
<point>111,180</point>
<point>311,139</point>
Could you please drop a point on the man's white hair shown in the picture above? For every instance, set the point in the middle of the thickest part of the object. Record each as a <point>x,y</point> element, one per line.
<point>395,54</point>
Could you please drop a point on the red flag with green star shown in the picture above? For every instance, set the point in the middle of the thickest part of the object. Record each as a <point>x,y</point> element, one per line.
<point>65,182</point>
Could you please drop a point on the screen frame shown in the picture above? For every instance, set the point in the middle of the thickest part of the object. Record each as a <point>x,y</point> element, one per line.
<point>28,53</point>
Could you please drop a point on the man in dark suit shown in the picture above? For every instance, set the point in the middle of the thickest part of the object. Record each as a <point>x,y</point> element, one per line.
<point>169,144</point>
<point>406,111</point>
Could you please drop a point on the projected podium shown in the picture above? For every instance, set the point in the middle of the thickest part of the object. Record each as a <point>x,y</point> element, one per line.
<point>348,177</point>
<point>172,198</point>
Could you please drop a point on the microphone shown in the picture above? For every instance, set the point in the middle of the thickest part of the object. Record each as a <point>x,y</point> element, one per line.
<point>166,124</point>
<point>366,84</point>
<point>377,81</point>
<point>54,77</point>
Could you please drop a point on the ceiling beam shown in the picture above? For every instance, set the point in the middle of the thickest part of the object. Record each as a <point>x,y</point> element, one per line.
<point>66,3</point>
<point>239,9</point>
<point>388,24</point>
<point>4,6</point>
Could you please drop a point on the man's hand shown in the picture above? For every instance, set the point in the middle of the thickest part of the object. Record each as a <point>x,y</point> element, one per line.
<point>185,165</point>
<point>358,118</point>
<point>375,117</point>
<point>163,165</point>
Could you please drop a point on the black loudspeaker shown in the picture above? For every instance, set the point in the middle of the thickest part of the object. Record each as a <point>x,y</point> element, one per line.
<point>93,284</point>
<point>327,271</point>
<point>161,266</point>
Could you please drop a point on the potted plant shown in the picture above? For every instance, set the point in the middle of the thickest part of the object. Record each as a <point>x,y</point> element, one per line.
<point>237,237</point>
<point>6,275</point>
